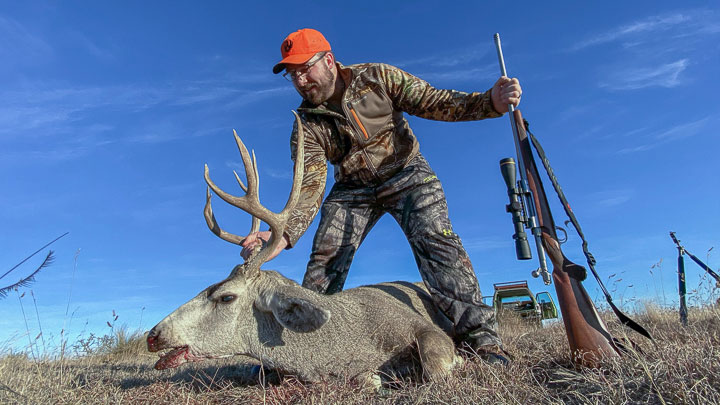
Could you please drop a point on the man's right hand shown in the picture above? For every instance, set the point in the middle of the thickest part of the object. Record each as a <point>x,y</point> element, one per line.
<point>258,238</point>
<point>504,92</point>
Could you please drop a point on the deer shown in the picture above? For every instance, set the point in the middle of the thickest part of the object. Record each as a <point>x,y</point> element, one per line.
<point>365,333</point>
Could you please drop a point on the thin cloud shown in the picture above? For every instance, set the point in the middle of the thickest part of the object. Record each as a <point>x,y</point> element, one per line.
<point>444,60</point>
<point>485,244</point>
<point>666,75</point>
<point>51,155</point>
<point>477,74</point>
<point>158,212</point>
<point>683,130</point>
<point>84,140</point>
<point>253,96</point>
<point>20,46</point>
<point>675,133</point>
<point>658,34</point>
<point>654,51</point>
<point>237,166</point>
<point>82,41</point>
<point>45,109</point>
<point>649,25</point>
<point>279,174</point>
<point>193,95</point>
<point>582,111</point>
<point>611,198</point>
<point>44,106</point>
<point>168,132</point>
<point>249,77</point>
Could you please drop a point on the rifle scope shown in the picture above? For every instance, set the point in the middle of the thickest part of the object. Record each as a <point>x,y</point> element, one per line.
<point>516,209</point>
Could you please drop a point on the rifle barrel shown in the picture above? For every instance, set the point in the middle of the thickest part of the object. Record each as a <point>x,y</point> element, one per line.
<point>523,183</point>
<point>503,72</point>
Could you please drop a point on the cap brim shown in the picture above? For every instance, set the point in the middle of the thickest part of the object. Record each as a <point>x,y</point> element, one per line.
<point>296,59</point>
<point>278,68</point>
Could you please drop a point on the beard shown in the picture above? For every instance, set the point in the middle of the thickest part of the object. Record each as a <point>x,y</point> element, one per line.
<point>320,91</point>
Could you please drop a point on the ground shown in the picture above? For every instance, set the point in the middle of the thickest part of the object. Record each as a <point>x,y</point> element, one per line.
<point>683,367</point>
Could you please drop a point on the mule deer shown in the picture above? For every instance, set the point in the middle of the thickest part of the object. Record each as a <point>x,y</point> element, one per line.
<point>356,333</point>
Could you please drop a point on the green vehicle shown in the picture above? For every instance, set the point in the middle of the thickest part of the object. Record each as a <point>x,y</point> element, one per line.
<point>515,298</point>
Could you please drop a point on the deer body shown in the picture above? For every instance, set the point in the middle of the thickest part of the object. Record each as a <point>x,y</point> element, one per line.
<point>355,333</point>
<point>264,315</point>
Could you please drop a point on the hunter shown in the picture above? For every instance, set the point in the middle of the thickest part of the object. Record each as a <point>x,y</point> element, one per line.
<point>353,117</point>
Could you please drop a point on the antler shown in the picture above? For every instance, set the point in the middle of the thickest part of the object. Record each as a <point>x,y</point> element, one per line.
<point>210,217</point>
<point>250,202</point>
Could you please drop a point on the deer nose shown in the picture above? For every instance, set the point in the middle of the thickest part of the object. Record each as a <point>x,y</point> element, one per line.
<point>153,340</point>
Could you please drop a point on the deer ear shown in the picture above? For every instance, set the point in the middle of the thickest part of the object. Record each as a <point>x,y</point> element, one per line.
<point>292,312</point>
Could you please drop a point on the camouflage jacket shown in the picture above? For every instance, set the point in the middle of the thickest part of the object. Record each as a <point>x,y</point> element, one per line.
<point>371,141</point>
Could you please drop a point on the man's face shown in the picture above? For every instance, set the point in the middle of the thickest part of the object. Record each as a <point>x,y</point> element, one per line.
<point>314,80</point>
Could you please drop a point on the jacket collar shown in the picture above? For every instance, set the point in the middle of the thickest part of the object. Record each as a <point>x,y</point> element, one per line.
<point>347,75</point>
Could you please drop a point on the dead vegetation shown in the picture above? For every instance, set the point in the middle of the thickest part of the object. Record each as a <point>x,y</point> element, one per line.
<point>684,367</point>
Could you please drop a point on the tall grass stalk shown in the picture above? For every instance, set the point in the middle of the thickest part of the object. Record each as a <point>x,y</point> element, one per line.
<point>142,311</point>
<point>63,341</point>
<point>37,315</point>
<point>27,328</point>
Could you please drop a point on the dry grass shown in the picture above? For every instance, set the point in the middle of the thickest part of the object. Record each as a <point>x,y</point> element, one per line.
<point>683,368</point>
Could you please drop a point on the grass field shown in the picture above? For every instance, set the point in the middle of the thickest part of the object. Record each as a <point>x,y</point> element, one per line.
<point>684,367</point>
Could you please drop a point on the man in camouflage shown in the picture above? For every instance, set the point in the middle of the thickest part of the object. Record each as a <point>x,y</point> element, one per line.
<point>353,117</point>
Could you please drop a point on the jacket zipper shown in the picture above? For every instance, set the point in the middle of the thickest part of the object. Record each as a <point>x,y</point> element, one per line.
<point>359,125</point>
<point>357,120</point>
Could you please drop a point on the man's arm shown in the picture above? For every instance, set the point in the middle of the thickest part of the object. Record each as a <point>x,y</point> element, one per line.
<point>417,97</point>
<point>311,193</point>
<point>313,184</point>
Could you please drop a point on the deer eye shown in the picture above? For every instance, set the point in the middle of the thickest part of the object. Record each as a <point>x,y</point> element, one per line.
<point>227,298</point>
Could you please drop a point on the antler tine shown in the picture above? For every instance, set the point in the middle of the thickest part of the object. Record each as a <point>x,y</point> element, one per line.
<point>251,175</point>
<point>240,182</point>
<point>255,220</point>
<point>248,203</point>
<point>254,165</point>
<point>213,225</point>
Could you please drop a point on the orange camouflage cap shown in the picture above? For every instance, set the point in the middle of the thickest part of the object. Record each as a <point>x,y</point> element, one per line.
<point>300,46</point>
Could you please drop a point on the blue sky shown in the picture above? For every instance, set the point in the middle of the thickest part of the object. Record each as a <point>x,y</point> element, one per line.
<point>109,111</point>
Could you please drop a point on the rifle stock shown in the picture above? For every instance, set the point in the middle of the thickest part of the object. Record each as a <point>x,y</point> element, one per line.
<point>590,342</point>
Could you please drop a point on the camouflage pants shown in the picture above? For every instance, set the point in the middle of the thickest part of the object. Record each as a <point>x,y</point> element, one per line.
<point>415,198</point>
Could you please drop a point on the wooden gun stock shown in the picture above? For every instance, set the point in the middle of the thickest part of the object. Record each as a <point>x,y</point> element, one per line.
<point>587,334</point>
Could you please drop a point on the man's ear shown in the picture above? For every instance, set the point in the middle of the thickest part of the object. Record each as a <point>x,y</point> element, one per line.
<point>292,312</point>
<point>329,59</point>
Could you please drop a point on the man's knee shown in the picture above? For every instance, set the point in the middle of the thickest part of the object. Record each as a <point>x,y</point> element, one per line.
<point>319,286</point>
<point>316,277</point>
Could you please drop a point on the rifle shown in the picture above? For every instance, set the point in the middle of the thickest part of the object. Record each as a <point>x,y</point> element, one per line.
<point>681,275</point>
<point>590,341</point>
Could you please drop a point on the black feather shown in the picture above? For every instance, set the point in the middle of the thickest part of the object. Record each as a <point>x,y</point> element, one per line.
<point>29,279</point>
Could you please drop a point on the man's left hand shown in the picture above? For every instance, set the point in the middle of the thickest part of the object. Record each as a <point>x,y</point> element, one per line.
<point>504,92</point>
